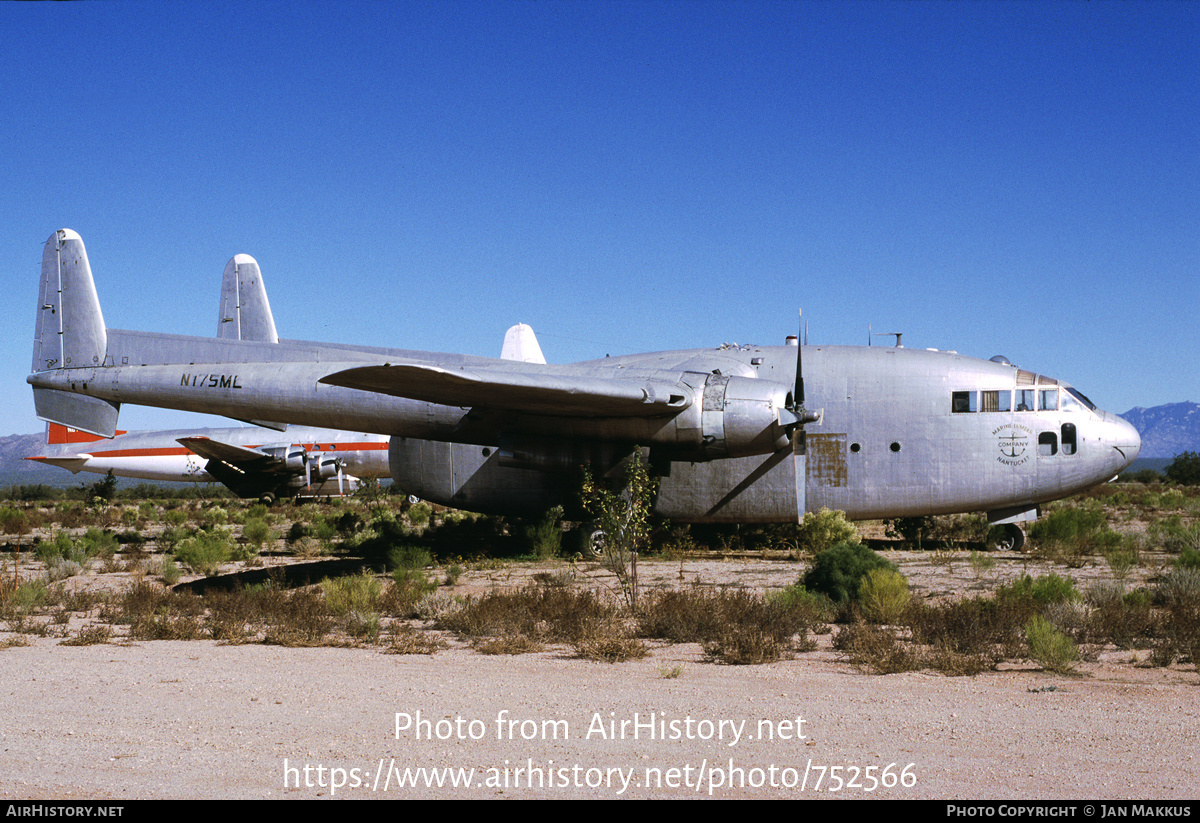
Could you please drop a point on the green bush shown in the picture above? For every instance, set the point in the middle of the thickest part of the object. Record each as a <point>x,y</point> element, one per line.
<point>1052,649</point>
<point>205,551</point>
<point>883,595</point>
<point>822,530</point>
<point>545,537</point>
<point>839,570</point>
<point>257,531</point>
<point>358,593</point>
<point>1039,592</point>
<point>408,556</point>
<point>1074,530</point>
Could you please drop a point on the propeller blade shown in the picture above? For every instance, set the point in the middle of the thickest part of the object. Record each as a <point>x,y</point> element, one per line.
<point>800,463</point>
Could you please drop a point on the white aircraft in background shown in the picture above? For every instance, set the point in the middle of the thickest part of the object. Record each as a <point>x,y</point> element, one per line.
<point>253,462</point>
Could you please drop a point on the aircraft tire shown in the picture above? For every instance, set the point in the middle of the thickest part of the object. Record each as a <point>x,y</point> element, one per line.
<point>267,498</point>
<point>587,541</point>
<point>1007,537</point>
<point>597,541</point>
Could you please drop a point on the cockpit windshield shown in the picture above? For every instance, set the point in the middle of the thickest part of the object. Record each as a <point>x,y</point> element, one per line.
<point>1073,399</point>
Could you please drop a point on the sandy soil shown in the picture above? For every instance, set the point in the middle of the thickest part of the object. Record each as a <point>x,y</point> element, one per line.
<point>201,720</point>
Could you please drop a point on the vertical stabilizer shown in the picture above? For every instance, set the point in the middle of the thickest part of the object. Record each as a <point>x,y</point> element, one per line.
<point>70,328</point>
<point>520,343</point>
<point>245,312</point>
<point>58,434</point>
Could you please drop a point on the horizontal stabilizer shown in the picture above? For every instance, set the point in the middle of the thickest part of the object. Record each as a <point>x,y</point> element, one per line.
<point>74,464</point>
<point>532,392</point>
<point>78,411</point>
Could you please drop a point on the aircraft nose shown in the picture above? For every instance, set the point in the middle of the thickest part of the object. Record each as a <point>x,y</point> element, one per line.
<point>1124,439</point>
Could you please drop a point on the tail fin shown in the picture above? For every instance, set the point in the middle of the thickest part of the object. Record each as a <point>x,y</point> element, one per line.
<point>245,312</point>
<point>70,335</point>
<point>520,343</point>
<point>58,434</point>
<point>70,328</point>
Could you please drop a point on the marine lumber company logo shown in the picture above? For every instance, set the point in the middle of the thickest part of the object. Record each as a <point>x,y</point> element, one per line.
<point>1012,440</point>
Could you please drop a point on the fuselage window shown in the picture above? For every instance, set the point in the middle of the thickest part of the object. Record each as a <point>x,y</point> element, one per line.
<point>996,401</point>
<point>1068,438</point>
<point>1047,444</point>
<point>1025,399</point>
<point>964,401</point>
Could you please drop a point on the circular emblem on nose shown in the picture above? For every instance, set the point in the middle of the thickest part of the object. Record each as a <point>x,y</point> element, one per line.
<point>1012,441</point>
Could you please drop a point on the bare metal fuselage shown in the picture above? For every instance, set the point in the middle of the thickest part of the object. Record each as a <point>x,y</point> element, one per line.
<point>899,432</point>
<point>888,444</point>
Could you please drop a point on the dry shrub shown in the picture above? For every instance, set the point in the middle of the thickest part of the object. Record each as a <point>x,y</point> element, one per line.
<point>953,663</point>
<point>745,646</point>
<point>731,619</point>
<point>89,636</point>
<point>1125,619</point>
<point>553,614</point>
<point>404,639</point>
<point>298,618</point>
<point>977,626</point>
<point>155,613</point>
<point>609,641</point>
<point>166,627</point>
<point>230,615</point>
<point>506,644</point>
<point>875,649</point>
<point>1179,592</point>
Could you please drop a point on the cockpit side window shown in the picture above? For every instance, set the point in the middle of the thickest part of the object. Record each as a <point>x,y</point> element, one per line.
<point>1025,399</point>
<point>1048,400</point>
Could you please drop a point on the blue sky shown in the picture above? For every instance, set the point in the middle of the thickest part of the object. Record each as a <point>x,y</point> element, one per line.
<point>1015,178</point>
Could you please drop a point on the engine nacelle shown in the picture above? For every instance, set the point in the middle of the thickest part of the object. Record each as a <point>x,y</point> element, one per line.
<point>324,466</point>
<point>737,417</point>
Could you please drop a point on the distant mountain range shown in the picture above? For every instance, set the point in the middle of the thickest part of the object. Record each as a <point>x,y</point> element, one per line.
<point>16,470</point>
<point>1166,431</point>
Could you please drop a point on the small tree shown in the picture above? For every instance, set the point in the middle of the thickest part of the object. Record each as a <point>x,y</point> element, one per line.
<point>624,517</point>
<point>105,489</point>
<point>1185,469</point>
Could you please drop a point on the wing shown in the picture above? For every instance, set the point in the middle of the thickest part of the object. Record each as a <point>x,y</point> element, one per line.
<point>520,391</point>
<point>240,457</point>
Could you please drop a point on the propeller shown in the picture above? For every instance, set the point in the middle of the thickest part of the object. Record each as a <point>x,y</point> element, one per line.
<point>797,415</point>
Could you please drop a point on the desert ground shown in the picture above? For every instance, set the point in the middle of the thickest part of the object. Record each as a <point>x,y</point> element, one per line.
<point>132,719</point>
